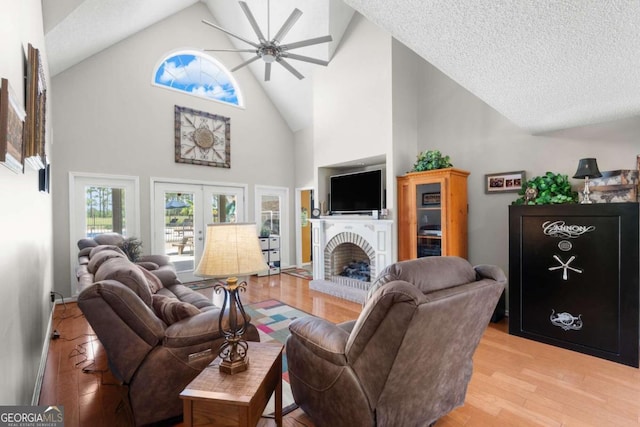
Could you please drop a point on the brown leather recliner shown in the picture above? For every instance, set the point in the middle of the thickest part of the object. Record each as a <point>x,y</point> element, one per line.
<point>407,359</point>
<point>155,343</point>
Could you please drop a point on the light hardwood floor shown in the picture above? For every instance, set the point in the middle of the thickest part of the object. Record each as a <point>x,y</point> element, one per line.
<point>516,382</point>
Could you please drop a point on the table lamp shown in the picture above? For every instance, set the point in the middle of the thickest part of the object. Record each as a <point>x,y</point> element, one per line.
<point>587,168</point>
<point>232,250</point>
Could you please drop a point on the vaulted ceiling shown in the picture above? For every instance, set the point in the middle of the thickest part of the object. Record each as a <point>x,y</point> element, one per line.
<point>543,65</point>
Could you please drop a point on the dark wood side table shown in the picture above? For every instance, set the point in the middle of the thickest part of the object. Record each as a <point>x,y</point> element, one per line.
<point>214,398</point>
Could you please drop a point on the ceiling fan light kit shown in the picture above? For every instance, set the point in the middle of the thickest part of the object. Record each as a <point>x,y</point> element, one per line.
<point>269,49</point>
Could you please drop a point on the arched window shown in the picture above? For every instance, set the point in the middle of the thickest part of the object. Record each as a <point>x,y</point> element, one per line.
<point>198,74</point>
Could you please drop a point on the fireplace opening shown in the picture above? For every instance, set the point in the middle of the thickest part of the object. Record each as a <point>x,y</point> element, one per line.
<point>358,270</point>
<point>350,260</point>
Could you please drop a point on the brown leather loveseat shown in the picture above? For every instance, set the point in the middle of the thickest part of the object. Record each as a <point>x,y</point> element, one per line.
<point>158,333</point>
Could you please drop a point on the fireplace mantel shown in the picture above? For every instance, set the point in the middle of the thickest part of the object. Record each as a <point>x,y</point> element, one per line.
<point>376,232</point>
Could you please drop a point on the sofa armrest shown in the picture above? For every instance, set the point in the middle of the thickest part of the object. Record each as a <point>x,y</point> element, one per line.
<point>198,329</point>
<point>493,272</point>
<point>160,260</point>
<point>322,338</point>
<point>347,326</point>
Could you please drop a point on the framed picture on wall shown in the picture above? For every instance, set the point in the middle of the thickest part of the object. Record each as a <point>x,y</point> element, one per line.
<point>34,132</point>
<point>12,118</point>
<point>504,182</point>
<point>202,138</point>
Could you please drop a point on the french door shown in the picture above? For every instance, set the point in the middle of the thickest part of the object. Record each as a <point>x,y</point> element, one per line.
<point>181,213</point>
<point>101,204</point>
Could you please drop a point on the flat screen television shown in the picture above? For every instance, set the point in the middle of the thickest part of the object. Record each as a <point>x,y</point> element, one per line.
<point>359,192</point>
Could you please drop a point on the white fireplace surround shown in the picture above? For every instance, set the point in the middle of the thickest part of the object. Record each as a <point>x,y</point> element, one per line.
<point>374,236</point>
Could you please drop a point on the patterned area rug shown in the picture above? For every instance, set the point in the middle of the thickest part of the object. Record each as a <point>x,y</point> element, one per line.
<point>272,318</point>
<point>299,272</point>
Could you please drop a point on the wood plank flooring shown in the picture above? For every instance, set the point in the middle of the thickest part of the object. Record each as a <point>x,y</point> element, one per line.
<point>516,382</point>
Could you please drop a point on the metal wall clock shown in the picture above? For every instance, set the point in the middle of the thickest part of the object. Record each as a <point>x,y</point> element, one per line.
<point>202,138</point>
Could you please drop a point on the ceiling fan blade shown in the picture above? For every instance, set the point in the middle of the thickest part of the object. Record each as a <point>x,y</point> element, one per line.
<point>231,50</point>
<point>252,21</point>
<point>267,71</point>
<point>292,70</point>
<point>305,58</point>
<point>295,15</point>
<point>245,63</point>
<point>309,42</point>
<point>217,27</point>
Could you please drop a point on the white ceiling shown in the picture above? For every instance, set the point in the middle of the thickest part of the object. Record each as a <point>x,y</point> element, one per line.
<point>545,65</point>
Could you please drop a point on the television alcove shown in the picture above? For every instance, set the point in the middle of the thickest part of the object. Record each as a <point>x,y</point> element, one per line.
<point>356,192</point>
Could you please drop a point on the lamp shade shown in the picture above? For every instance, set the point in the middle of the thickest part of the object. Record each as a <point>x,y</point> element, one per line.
<point>231,250</point>
<point>587,168</point>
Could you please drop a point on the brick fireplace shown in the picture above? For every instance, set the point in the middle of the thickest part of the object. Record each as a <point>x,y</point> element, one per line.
<point>339,241</point>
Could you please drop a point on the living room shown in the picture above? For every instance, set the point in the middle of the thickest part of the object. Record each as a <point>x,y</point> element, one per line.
<point>106,117</point>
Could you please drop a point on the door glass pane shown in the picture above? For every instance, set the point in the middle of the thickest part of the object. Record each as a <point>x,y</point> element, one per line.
<point>105,210</point>
<point>223,209</point>
<point>270,215</point>
<point>429,222</point>
<point>178,231</point>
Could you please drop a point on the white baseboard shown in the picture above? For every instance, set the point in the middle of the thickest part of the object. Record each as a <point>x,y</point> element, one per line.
<point>43,361</point>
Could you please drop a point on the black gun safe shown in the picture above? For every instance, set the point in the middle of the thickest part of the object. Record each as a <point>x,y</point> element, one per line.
<point>573,277</point>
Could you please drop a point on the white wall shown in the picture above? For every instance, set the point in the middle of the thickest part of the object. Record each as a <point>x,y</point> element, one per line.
<point>482,141</point>
<point>352,99</point>
<point>25,227</point>
<point>108,118</point>
<point>303,149</point>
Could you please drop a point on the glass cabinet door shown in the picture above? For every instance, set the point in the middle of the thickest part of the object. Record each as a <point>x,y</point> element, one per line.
<point>429,220</point>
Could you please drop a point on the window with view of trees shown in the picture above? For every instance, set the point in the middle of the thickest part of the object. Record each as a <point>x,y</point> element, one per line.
<point>105,210</point>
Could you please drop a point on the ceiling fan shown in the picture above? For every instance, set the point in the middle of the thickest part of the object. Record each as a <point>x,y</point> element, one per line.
<point>269,49</point>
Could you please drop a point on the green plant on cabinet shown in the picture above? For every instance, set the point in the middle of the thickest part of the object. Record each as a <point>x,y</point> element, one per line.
<point>431,160</point>
<point>550,188</point>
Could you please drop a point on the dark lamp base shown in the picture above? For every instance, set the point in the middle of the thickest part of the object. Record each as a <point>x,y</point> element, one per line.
<point>234,367</point>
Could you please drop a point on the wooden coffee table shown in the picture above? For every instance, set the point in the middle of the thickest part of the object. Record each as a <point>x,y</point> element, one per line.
<point>214,398</point>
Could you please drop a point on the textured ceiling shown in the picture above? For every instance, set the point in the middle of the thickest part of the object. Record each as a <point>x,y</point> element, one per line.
<point>77,29</point>
<point>545,65</point>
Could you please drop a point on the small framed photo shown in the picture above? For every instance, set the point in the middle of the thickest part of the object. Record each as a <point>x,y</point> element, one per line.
<point>430,199</point>
<point>504,182</point>
<point>12,118</point>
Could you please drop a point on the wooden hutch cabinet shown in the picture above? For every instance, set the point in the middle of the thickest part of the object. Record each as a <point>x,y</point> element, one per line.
<point>432,214</point>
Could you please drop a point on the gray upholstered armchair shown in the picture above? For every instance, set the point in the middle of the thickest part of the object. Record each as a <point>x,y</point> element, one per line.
<point>407,360</point>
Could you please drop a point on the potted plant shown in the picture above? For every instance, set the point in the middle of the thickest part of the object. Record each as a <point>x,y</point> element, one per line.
<point>431,160</point>
<point>550,188</point>
<point>265,231</point>
<point>132,247</point>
